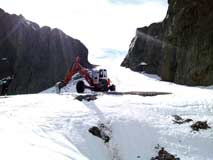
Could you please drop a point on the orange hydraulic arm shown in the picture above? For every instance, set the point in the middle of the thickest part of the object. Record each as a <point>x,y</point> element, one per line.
<point>77,68</point>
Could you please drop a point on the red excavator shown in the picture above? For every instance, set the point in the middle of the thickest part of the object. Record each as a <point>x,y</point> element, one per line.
<point>97,79</point>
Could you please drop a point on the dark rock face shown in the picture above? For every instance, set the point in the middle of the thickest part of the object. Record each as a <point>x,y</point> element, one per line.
<point>179,49</point>
<point>145,50</point>
<point>38,57</point>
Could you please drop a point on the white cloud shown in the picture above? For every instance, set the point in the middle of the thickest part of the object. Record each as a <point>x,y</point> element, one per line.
<point>97,23</point>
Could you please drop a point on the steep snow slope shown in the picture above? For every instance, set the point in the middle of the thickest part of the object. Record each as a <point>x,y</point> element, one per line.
<point>51,126</point>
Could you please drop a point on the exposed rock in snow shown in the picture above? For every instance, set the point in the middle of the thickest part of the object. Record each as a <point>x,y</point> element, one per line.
<point>86,97</point>
<point>164,155</point>
<point>101,131</point>
<point>200,125</point>
<point>180,120</point>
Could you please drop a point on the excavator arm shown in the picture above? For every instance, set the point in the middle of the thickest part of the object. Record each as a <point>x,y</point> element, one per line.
<point>75,68</point>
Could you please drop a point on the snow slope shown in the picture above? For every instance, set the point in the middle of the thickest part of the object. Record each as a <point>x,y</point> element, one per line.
<point>48,126</point>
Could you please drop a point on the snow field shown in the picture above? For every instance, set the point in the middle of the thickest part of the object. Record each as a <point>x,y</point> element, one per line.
<point>55,126</point>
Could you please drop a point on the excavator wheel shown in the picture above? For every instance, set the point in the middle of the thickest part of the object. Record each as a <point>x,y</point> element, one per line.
<point>80,86</point>
<point>112,87</point>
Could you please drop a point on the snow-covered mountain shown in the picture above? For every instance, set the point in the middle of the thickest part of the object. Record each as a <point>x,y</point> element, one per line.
<point>50,126</point>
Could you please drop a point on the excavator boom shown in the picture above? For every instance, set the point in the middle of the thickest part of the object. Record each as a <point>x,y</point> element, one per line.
<point>77,68</point>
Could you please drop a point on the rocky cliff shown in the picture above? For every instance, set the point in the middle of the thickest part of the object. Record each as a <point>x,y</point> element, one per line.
<point>179,49</point>
<point>37,57</point>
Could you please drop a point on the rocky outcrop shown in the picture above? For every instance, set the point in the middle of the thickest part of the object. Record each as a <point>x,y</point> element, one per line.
<point>37,57</point>
<point>179,49</point>
<point>143,48</point>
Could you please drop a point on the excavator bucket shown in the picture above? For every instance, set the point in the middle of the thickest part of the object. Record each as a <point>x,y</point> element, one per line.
<point>58,86</point>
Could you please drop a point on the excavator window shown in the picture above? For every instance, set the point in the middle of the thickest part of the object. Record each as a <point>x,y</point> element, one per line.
<point>101,75</point>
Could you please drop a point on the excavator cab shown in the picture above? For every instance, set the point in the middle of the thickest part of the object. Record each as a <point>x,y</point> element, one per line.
<point>99,75</point>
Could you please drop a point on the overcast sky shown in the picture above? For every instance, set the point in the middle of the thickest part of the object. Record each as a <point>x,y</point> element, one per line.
<point>97,23</point>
